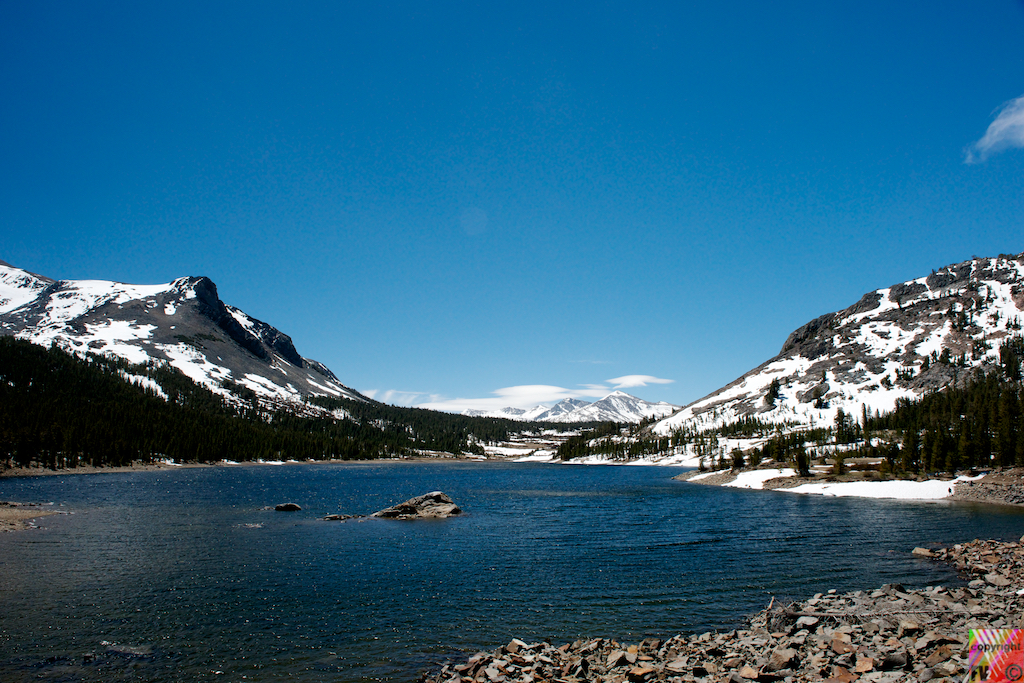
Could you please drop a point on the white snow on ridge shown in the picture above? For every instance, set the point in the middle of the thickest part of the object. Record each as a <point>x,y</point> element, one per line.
<point>18,288</point>
<point>110,337</point>
<point>263,386</point>
<point>77,297</point>
<point>243,320</point>
<point>195,366</point>
<point>325,389</point>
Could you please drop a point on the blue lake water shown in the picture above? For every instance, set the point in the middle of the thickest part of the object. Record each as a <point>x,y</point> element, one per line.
<point>184,575</point>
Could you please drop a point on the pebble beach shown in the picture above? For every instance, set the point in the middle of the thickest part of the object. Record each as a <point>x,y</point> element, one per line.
<point>885,635</point>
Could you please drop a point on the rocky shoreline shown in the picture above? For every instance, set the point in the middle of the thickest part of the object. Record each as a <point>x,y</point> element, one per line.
<point>1003,487</point>
<point>886,635</point>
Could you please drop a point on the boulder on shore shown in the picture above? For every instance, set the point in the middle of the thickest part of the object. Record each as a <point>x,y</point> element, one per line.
<point>430,505</point>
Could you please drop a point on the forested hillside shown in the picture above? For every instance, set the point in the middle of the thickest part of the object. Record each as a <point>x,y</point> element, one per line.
<point>59,410</point>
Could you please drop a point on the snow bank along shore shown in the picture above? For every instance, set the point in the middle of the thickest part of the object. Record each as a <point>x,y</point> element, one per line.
<point>1000,486</point>
<point>884,636</point>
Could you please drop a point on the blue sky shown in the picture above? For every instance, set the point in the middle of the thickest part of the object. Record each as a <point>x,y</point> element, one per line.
<point>508,203</point>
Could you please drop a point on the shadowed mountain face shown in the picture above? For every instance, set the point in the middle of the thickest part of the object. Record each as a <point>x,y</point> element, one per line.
<point>898,342</point>
<point>183,323</point>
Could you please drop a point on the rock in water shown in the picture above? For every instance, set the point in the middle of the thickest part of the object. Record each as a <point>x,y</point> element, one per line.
<point>287,507</point>
<point>429,505</point>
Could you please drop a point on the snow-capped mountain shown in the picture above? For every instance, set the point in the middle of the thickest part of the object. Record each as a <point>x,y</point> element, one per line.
<point>504,413</point>
<point>897,342</point>
<point>183,323</point>
<point>615,407</point>
<point>555,413</point>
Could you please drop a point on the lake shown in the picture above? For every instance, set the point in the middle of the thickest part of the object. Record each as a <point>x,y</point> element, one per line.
<point>186,575</point>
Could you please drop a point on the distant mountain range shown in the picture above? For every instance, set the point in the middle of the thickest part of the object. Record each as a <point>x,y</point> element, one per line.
<point>898,342</point>
<point>183,323</point>
<point>617,406</point>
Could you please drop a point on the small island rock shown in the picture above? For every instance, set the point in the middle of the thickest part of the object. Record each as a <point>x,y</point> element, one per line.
<point>430,505</point>
<point>287,507</point>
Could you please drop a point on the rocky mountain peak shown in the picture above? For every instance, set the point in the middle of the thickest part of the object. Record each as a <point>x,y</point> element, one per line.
<point>896,342</point>
<point>183,323</point>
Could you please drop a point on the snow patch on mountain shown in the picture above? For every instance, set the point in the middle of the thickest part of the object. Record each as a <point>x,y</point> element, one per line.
<point>145,383</point>
<point>18,287</point>
<point>897,342</point>
<point>195,365</point>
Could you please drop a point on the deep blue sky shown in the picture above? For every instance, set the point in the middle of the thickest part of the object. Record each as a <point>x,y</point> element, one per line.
<point>447,199</point>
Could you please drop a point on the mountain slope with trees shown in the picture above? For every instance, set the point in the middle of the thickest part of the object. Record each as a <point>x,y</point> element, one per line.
<point>58,410</point>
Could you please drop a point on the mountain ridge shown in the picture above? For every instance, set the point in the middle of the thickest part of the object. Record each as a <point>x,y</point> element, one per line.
<point>896,342</point>
<point>183,323</point>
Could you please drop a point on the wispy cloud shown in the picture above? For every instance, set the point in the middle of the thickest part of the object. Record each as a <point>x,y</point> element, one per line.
<point>627,381</point>
<point>397,397</point>
<point>1006,132</point>
<point>522,396</point>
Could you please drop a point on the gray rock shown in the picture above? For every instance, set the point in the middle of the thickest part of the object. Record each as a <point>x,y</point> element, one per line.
<point>783,658</point>
<point>807,622</point>
<point>618,658</point>
<point>428,506</point>
<point>997,580</point>
<point>894,660</point>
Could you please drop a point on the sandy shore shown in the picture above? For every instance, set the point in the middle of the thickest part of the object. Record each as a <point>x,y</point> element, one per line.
<point>89,469</point>
<point>17,516</point>
<point>164,465</point>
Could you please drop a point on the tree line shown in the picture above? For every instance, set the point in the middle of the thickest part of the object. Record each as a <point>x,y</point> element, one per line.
<point>59,410</point>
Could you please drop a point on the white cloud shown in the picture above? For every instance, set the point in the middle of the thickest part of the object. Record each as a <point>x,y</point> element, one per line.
<point>1006,132</point>
<point>522,396</point>
<point>627,381</point>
